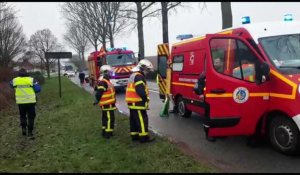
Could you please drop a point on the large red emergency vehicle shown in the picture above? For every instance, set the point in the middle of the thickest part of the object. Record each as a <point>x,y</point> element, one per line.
<point>265,105</point>
<point>120,59</point>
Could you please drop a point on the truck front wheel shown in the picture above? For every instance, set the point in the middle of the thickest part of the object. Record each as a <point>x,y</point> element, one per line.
<point>284,135</point>
<point>181,108</point>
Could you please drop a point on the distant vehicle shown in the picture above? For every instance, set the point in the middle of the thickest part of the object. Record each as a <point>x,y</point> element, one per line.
<point>120,59</point>
<point>69,73</point>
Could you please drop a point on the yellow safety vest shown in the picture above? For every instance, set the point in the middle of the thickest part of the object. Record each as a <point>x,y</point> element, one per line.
<point>108,97</point>
<point>248,72</point>
<point>24,90</point>
<point>133,100</point>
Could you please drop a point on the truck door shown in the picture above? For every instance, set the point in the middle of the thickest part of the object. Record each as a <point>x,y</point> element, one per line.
<point>235,101</point>
<point>164,73</point>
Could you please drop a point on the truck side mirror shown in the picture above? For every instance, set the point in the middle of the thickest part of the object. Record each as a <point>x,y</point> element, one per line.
<point>262,73</point>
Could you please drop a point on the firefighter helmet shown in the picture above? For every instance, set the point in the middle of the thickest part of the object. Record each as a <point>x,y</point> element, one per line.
<point>106,69</point>
<point>143,65</point>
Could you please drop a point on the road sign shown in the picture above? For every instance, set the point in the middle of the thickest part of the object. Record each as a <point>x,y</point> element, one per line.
<point>58,55</point>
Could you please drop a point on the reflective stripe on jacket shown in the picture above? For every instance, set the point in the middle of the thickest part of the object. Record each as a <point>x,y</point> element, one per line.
<point>248,72</point>
<point>132,98</point>
<point>108,97</point>
<point>24,91</point>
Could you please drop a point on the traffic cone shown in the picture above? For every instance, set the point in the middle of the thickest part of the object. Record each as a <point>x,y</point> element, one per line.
<point>165,109</point>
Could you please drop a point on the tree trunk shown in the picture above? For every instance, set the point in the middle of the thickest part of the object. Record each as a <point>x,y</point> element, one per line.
<point>226,15</point>
<point>164,12</point>
<point>83,55</point>
<point>96,45</point>
<point>48,68</point>
<point>104,42</point>
<point>111,37</point>
<point>140,30</point>
<point>42,70</point>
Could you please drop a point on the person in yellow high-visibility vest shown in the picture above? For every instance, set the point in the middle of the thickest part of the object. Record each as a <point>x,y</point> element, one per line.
<point>137,98</point>
<point>25,92</point>
<point>105,98</point>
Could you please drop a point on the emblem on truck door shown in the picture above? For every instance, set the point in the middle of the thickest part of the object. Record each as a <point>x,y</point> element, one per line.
<point>192,56</point>
<point>240,95</point>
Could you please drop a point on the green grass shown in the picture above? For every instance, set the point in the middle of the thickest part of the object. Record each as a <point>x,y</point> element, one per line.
<point>68,139</point>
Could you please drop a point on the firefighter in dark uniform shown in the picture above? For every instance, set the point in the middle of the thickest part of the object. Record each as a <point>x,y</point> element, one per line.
<point>137,98</point>
<point>105,98</point>
<point>199,89</point>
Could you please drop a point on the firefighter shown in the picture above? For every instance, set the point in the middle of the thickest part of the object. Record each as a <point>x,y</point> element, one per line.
<point>137,98</point>
<point>25,93</point>
<point>105,98</point>
<point>199,89</point>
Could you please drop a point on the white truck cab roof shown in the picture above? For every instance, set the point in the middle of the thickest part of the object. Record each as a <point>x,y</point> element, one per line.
<point>272,28</point>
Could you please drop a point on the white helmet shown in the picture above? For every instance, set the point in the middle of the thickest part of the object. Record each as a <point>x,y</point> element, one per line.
<point>143,65</point>
<point>106,69</point>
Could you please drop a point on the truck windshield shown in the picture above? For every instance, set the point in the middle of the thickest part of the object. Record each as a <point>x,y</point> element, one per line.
<point>120,59</point>
<point>284,52</point>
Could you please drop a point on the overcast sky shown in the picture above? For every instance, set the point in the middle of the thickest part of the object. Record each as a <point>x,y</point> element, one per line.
<point>40,15</point>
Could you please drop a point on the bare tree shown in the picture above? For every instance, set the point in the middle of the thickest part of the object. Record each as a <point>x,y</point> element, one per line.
<point>165,7</point>
<point>115,21</point>
<point>100,18</point>
<point>12,38</point>
<point>75,12</point>
<point>226,15</point>
<point>44,41</point>
<point>138,11</point>
<point>76,39</point>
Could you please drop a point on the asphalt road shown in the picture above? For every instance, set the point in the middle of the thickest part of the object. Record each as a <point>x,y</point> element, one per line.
<point>229,154</point>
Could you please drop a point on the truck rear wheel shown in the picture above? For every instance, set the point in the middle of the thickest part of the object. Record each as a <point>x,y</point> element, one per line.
<point>284,135</point>
<point>181,108</point>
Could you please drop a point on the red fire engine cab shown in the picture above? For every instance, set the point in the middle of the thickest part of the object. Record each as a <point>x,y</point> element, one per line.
<point>120,59</point>
<point>252,80</point>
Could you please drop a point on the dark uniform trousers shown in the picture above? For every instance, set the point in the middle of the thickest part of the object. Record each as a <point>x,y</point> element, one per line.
<point>27,112</point>
<point>138,124</point>
<point>108,122</point>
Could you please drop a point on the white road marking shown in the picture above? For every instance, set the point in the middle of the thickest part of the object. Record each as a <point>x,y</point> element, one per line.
<point>153,91</point>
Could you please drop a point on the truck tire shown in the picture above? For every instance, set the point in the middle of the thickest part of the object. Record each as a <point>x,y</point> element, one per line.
<point>284,135</point>
<point>181,108</point>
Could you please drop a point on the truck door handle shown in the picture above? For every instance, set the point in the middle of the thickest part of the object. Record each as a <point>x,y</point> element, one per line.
<point>218,91</point>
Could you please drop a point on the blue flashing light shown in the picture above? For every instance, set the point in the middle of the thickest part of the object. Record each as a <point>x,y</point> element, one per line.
<point>185,36</point>
<point>118,49</point>
<point>246,20</point>
<point>113,74</point>
<point>288,17</point>
<point>110,49</point>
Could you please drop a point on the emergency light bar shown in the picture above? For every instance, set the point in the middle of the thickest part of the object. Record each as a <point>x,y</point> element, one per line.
<point>182,37</point>
<point>112,49</point>
<point>288,17</point>
<point>246,20</point>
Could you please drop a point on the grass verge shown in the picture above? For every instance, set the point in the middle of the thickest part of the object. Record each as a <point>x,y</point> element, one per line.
<point>68,139</point>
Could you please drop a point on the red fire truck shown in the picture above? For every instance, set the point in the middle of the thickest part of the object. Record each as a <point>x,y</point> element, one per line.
<point>120,59</point>
<point>252,80</point>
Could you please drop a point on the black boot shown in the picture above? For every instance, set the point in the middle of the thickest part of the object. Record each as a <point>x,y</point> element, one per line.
<point>146,139</point>
<point>135,138</point>
<point>24,131</point>
<point>30,134</point>
<point>208,138</point>
<point>103,132</point>
<point>106,135</point>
